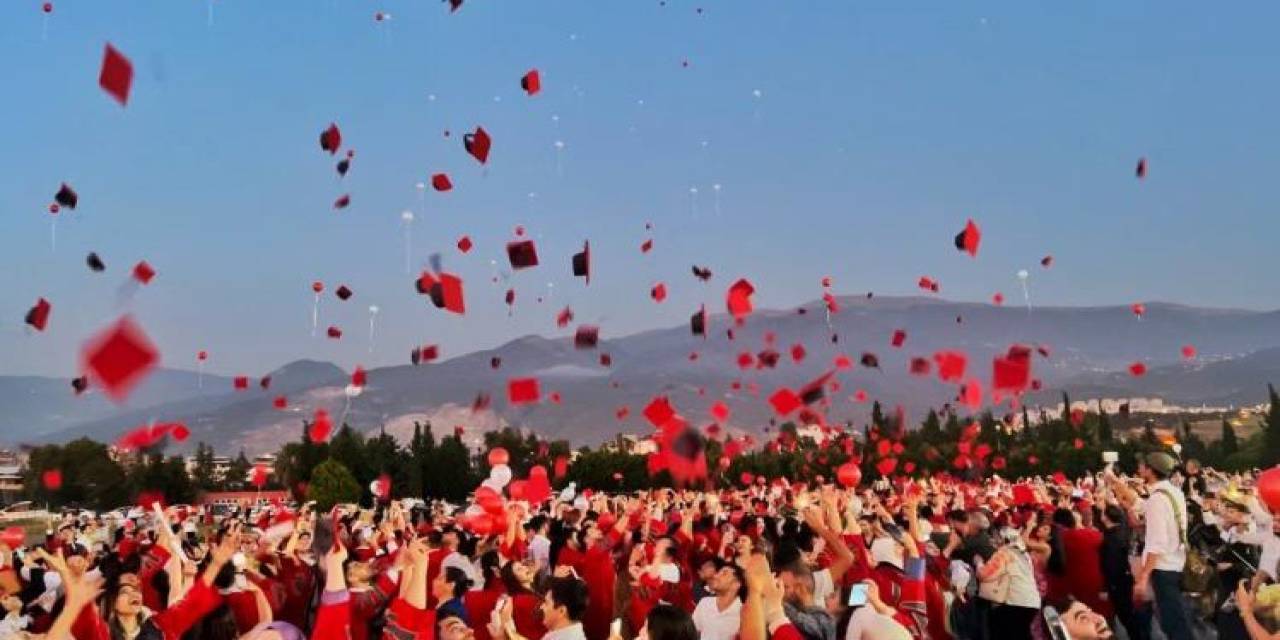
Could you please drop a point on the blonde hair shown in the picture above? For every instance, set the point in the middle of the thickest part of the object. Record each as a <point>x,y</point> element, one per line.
<point>1267,606</point>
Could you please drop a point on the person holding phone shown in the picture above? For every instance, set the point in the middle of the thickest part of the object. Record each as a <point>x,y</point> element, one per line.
<point>870,618</point>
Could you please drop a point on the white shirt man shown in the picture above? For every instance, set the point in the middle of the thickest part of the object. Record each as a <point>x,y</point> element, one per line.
<point>1164,535</point>
<point>719,616</point>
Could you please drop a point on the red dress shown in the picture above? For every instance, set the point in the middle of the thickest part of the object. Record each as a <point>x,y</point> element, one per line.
<point>1083,574</point>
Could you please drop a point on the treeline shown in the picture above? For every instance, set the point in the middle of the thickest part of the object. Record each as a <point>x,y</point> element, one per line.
<point>344,468</point>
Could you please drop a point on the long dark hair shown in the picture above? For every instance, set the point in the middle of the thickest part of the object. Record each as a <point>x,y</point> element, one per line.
<point>667,622</point>
<point>1062,519</point>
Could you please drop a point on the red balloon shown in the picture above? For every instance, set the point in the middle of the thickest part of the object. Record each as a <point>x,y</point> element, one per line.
<point>517,489</point>
<point>317,286</point>
<point>47,7</point>
<point>480,524</point>
<point>13,537</point>
<point>746,477</point>
<point>538,471</point>
<point>489,500</point>
<point>497,456</point>
<point>849,474</point>
<point>1269,489</point>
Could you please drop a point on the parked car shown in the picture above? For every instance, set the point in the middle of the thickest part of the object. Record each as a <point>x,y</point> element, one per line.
<point>24,510</point>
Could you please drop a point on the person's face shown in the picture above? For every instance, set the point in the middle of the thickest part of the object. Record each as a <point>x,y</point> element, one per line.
<point>552,614</point>
<point>744,545</point>
<point>11,603</point>
<point>452,628</point>
<point>1145,473</point>
<point>790,586</point>
<point>524,572</point>
<point>128,601</point>
<point>359,573</point>
<point>725,581</point>
<point>660,548</point>
<point>1193,467</point>
<point>449,540</point>
<point>1083,624</point>
<point>1042,531</point>
<point>77,564</point>
<point>441,589</point>
<point>706,572</point>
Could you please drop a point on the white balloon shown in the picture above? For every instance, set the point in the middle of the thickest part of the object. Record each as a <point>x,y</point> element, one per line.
<point>501,474</point>
<point>407,216</point>
<point>373,487</point>
<point>1022,275</point>
<point>492,484</point>
<point>353,391</point>
<point>373,308</point>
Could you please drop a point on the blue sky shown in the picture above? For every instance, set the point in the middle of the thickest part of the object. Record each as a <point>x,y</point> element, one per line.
<point>879,128</point>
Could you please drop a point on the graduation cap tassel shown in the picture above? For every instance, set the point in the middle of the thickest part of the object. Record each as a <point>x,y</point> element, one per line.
<point>407,218</point>
<point>1026,295</point>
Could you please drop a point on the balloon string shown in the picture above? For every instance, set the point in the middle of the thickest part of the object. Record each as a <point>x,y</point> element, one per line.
<point>44,28</point>
<point>200,375</point>
<point>53,235</point>
<point>408,242</point>
<point>1026,296</point>
<point>371,319</point>
<point>315,315</point>
<point>343,420</point>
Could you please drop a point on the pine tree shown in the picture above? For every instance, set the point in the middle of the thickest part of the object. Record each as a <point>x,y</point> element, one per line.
<point>238,473</point>
<point>931,430</point>
<point>1105,434</point>
<point>1228,444</point>
<point>877,415</point>
<point>332,483</point>
<point>202,472</point>
<point>1271,431</point>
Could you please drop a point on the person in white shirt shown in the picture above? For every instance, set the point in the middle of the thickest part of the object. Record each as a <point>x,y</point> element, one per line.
<point>1165,545</point>
<point>539,543</point>
<point>719,616</point>
<point>562,608</point>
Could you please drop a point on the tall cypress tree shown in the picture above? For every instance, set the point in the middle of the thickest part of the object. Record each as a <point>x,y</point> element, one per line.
<point>1271,431</point>
<point>1228,444</point>
<point>1105,434</point>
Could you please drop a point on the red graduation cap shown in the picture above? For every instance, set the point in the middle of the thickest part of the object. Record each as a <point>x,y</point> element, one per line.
<point>738,300</point>
<point>358,377</point>
<point>334,333</point>
<point>967,240</point>
<point>481,403</point>
<point>746,360</point>
<point>564,317</point>
<point>797,352</point>
<point>240,383</point>
<point>1137,369</point>
<point>342,202</point>
<point>1188,352</point>
<point>38,316</point>
<point>581,262</point>
<point>446,293</point>
<point>522,254</point>
<point>951,365</point>
<point>659,411</point>
<point>622,412</point>
<point>971,394</point>
<point>280,402</point>
<point>1138,309</point>
<point>720,411</point>
<point>331,139</point>
<point>899,337</point>
<point>1010,373</point>
<point>440,182</point>
<point>119,357</point>
<point>464,244</point>
<point>523,391</point>
<point>477,144</point>
<point>646,246</point>
<point>531,82</point>
<point>586,337</point>
<point>698,322</point>
<point>784,401</point>
<point>606,360</point>
<point>920,366</point>
<point>658,292</point>
<point>116,76</point>
<point>997,299</point>
<point>765,359</point>
<point>343,292</point>
<point>928,284</point>
<point>66,197</point>
<point>1141,170</point>
<point>142,272</point>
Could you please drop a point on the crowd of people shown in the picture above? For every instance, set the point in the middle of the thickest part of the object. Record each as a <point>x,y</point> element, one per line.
<point>1176,548</point>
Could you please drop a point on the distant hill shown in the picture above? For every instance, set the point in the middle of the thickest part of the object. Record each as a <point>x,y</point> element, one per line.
<point>1090,347</point>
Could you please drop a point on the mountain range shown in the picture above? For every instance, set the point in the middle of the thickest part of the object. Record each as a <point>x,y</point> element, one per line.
<point>1089,351</point>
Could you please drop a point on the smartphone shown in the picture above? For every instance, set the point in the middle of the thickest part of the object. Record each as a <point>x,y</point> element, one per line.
<point>1055,624</point>
<point>1110,457</point>
<point>857,595</point>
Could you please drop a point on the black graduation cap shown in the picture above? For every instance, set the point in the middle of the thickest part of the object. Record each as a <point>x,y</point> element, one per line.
<point>586,337</point>
<point>815,390</point>
<point>768,358</point>
<point>870,361</point>
<point>343,166</point>
<point>80,384</point>
<point>265,382</point>
<point>95,263</point>
<point>343,292</point>
<point>495,362</point>
<point>415,356</point>
<point>698,322</point>
<point>66,197</point>
<point>689,445</point>
<point>582,262</point>
<point>453,5</point>
<point>702,273</point>
<point>522,254</point>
